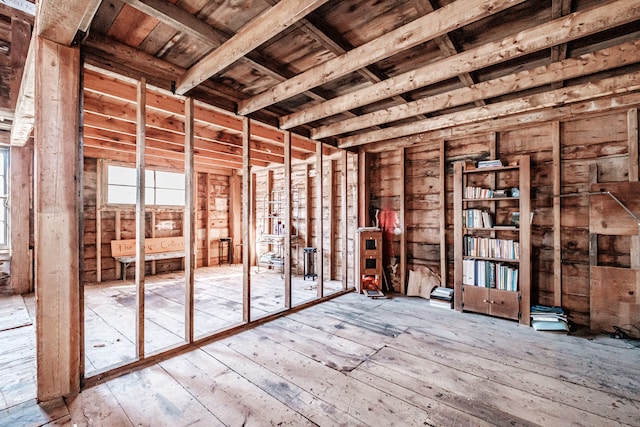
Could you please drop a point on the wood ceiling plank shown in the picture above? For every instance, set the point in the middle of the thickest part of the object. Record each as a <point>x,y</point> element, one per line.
<point>571,27</point>
<point>419,31</point>
<point>618,56</point>
<point>60,20</point>
<point>554,98</point>
<point>259,30</point>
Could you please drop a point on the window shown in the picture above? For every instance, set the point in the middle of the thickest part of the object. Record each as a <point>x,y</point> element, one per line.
<point>4,198</point>
<point>161,188</point>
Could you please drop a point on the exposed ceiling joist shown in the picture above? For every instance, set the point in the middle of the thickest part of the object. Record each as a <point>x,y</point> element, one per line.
<point>60,20</point>
<point>613,57</point>
<point>264,27</point>
<point>546,100</point>
<point>571,27</point>
<point>435,24</point>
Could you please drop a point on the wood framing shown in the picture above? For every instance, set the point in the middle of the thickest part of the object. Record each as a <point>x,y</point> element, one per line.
<point>287,220</point>
<point>557,214</point>
<point>319,223</point>
<point>57,90</point>
<point>140,216</point>
<point>248,201</point>
<point>260,30</point>
<point>419,31</point>
<point>444,263</point>
<point>189,222</point>
<point>344,215</point>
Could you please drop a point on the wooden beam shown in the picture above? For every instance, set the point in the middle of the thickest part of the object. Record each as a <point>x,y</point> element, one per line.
<point>60,20</point>
<point>527,119</point>
<point>140,217</point>
<point>419,31</point>
<point>319,225</point>
<point>403,221</point>
<point>545,100</point>
<point>24,116</point>
<point>259,30</point>
<point>56,206</point>
<point>556,144</point>
<point>571,27</point>
<point>605,59</point>
<point>287,220</point>
<point>190,202</point>
<point>634,175</point>
<point>344,215</point>
<point>444,262</point>
<point>559,8</point>
<point>247,221</point>
<point>330,219</point>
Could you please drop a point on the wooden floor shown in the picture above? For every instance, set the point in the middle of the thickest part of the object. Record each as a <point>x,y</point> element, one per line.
<point>361,362</point>
<point>110,309</point>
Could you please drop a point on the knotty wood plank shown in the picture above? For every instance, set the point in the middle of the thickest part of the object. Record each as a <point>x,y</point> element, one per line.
<point>168,404</point>
<point>98,406</point>
<point>305,402</point>
<point>367,404</point>
<point>524,378</point>
<point>232,398</point>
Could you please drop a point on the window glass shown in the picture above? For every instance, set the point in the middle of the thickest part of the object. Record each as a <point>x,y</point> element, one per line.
<point>161,188</point>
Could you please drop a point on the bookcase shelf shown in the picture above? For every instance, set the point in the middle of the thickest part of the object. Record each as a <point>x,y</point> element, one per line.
<point>477,285</point>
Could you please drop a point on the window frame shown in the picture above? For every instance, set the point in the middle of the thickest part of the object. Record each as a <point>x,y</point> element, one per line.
<point>105,187</point>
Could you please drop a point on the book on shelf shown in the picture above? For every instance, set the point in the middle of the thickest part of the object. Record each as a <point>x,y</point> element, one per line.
<point>487,247</point>
<point>496,163</point>
<point>489,274</point>
<point>477,218</point>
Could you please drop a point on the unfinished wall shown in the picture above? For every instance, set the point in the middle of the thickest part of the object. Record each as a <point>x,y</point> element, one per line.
<point>591,147</point>
<point>119,223</point>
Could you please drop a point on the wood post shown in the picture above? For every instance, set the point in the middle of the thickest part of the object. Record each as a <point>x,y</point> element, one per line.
<point>363,189</point>
<point>57,212</point>
<point>444,266</point>
<point>557,214</point>
<point>403,222</point>
<point>308,196</point>
<point>140,213</point>
<point>344,166</point>
<point>248,196</point>
<point>287,219</point>
<point>99,175</point>
<point>319,225</point>
<point>21,160</point>
<point>189,220</point>
<point>330,218</point>
<point>634,175</point>
<point>207,217</point>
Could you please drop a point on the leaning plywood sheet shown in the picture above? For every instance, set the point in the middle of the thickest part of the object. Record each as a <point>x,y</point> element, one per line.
<point>615,299</point>
<point>607,216</point>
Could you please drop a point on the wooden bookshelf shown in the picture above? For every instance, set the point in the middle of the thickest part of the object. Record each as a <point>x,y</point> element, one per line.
<point>478,292</point>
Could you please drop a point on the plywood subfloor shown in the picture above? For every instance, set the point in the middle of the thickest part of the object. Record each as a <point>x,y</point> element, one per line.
<point>361,362</point>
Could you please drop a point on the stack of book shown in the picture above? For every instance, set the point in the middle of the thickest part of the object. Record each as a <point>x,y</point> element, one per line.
<point>441,297</point>
<point>546,318</point>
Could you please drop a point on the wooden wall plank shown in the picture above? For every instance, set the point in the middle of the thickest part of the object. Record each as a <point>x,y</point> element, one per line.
<point>344,218</point>
<point>634,175</point>
<point>56,219</point>
<point>20,186</point>
<point>235,213</point>
<point>329,218</point>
